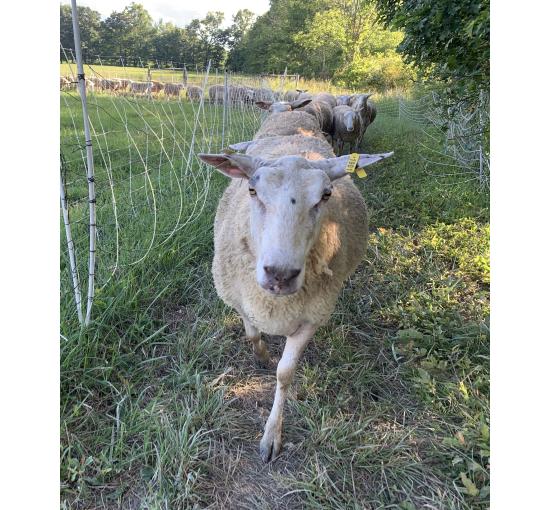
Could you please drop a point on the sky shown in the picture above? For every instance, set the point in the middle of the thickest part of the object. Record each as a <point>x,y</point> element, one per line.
<point>179,12</point>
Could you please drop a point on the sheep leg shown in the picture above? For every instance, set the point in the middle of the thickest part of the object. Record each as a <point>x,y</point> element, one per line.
<point>259,347</point>
<point>271,443</point>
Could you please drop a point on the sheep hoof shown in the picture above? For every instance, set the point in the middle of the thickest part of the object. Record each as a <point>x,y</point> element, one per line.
<point>270,445</point>
<point>261,353</point>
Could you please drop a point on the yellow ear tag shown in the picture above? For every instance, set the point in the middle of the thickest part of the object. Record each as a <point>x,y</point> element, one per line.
<point>352,163</point>
<point>361,173</point>
<point>228,151</point>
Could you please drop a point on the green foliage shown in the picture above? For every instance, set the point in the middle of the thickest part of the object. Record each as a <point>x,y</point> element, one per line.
<point>340,40</point>
<point>444,39</point>
<point>90,26</point>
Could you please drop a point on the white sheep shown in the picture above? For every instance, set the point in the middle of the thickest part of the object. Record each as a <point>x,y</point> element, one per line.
<point>194,93</point>
<point>366,110</point>
<point>285,242</point>
<point>173,89</point>
<point>346,129</point>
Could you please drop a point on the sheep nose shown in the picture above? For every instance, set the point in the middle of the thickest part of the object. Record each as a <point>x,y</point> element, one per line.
<point>281,275</point>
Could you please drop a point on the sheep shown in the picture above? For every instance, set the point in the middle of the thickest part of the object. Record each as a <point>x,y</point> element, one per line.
<point>173,89</point>
<point>291,95</point>
<point>109,84</point>
<point>302,94</point>
<point>344,99</point>
<point>326,98</point>
<point>140,87</point>
<point>366,110</point>
<point>281,106</point>
<point>194,93</point>
<point>346,129</point>
<point>216,93</point>
<point>285,244</point>
<point>64,83</point>
<point>263,94</point>
<point>124,83</point>
<point>322,112</point>
<point>156,86</point>
<point>240,94</point>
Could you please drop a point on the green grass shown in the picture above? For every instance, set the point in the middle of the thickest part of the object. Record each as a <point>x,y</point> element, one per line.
<point>162,405</point>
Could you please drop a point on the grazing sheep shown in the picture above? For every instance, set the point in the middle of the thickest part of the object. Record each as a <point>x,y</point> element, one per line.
<point>285,244</point>
<point>64,83</point>
<point>346,129</point>
<point>194,93</point>
<point>216,93</point>
<point>156,86</point>
<point>173,89</point>
<point>240,94</point>
<point>109,84</point>
<point>140,87</point>
<point>124,84</point>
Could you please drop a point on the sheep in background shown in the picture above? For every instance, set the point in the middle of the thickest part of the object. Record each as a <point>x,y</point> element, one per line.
<point>263,94</point>
<point>64,83</point>
<point>347,129</point>
<point>140,87</point>
<point>216,94</point>
<point>291,95</point>
<point>173,89</point>
<point>194,93</point>
<point>302,94</point>
<point>326,98</point>
<point>366,110</point>
<point>157,86</point>
<point>285,244</point>
<point>322,111</point>
<point>343,100</point>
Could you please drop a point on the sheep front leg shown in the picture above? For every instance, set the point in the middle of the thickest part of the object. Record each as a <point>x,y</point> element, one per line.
<point>271,443</point>
<point>259,347</point>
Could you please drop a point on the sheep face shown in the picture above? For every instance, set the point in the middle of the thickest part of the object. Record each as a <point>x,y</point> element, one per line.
<point>288,203</point>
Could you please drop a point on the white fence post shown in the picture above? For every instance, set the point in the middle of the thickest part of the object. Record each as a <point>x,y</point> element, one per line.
<point>225,101</point>
<point>89,160</point>
<point>70,247</point>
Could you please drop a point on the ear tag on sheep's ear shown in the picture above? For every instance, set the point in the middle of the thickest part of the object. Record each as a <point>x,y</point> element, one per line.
<point>361,173</point>
<point>229,151</point>
<point>352,166</point>
<point>352,163</point>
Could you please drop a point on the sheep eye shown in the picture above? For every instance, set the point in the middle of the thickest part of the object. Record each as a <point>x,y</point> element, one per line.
<point>326,195</point>
<point>252,192</point>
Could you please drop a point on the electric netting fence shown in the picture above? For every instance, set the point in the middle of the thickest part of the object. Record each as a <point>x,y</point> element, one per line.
<point>130,177</point>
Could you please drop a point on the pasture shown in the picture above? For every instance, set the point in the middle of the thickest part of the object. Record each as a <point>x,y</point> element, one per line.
<point>162,403</point>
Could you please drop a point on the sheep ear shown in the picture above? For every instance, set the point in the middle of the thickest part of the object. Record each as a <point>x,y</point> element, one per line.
<point>335,168</point>
<point>298,103</point>
<point>264,105</point>
<point>241,146</point>
<point>236,166</point>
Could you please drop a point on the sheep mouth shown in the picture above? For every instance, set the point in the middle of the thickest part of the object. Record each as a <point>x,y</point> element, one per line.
<point>279,291</point>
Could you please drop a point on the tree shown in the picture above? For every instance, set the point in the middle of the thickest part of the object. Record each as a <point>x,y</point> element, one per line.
<point>444,39</point>
<point>348,44</point>
<point>242,21</point>
<point>128,33</point>
<point>89,22</point>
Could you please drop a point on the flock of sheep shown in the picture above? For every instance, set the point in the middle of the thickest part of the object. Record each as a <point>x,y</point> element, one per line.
<point>290,228</point>
<point>343,119</point>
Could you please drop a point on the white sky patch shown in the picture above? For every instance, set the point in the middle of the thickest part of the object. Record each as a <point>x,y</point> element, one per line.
<point>179,12</point>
